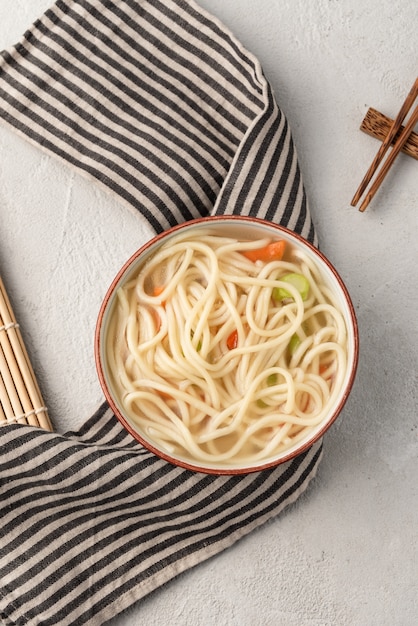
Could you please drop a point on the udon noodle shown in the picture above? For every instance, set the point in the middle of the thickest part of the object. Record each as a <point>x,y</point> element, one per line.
<point>222,359</point>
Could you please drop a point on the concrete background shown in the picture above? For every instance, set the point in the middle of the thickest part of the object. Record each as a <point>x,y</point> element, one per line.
<point>346,553</point>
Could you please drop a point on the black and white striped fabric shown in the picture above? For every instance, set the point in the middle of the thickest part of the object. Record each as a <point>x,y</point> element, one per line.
<point>157,101</point>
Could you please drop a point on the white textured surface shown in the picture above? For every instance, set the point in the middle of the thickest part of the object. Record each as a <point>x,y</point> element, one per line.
<point>346,554</point>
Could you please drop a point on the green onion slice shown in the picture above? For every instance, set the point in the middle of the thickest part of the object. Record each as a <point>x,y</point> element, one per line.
<point>299,281</point>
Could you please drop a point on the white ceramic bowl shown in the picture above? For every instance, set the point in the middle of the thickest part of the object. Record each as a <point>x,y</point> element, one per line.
<point>248,228</point>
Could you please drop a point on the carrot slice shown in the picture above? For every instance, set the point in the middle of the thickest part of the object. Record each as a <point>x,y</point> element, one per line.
<point>158,290</point>
<point>232,340</point>
<point>323,368</point>
<point>272,252</point>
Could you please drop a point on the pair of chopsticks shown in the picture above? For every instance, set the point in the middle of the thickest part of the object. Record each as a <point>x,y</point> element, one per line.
<point>397,147</point>
<point>20,398</point>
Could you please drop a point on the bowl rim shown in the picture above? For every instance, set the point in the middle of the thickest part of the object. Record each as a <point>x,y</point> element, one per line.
<point>224,470</point>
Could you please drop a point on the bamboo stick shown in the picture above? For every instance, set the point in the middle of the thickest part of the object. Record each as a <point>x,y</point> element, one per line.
<point>20,397</point>
<point>3,418</point>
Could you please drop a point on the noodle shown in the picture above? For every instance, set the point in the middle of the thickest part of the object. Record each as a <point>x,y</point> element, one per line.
<point>210,364</point>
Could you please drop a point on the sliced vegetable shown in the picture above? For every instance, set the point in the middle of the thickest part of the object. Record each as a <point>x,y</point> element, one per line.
<point>271,252</point>
<point>326,370</point>
<point>271,380</point>
<point>294,343</point>
<point>299,281</point>
<point>199,343</point>
<point>232,340</point>
<point>158,290</point>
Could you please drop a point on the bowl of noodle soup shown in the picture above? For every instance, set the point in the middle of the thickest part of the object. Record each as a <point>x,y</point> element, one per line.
<point>227,345</point>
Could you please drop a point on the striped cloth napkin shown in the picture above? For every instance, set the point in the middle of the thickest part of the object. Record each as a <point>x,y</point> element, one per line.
<point>157,101</point>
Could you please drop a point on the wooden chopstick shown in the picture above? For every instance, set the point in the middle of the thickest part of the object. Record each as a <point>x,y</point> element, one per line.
<point>389,161</point>
<point>400,141</point>
<point>20,396</point>
<point>377,125</point>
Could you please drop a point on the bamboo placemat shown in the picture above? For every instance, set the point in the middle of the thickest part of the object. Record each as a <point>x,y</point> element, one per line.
<point>20,397</point>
